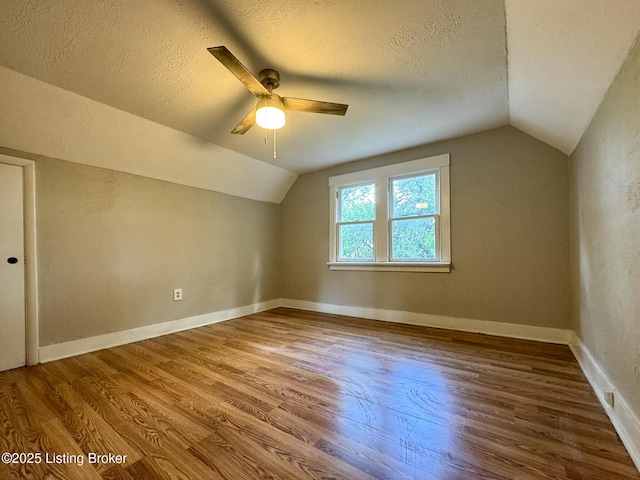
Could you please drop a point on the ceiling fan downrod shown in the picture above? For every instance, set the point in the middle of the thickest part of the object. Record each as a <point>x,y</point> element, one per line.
<point>270,79</point>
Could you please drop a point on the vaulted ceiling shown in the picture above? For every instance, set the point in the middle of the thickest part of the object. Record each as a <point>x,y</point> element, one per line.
<point>412,72</point>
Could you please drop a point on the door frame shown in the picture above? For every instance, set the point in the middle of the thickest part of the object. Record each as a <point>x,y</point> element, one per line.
<point>30,255</point>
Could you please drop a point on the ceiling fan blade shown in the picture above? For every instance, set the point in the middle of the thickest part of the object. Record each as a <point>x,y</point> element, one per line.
<point>314,106</point>
<point>239,70</point>
<point>246,123</point>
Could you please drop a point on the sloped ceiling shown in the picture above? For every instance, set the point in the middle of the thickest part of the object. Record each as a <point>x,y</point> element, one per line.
<point>412,72</point>
<point>563,57</point>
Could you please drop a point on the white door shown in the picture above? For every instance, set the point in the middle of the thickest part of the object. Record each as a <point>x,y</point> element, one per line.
<point>12,300</point>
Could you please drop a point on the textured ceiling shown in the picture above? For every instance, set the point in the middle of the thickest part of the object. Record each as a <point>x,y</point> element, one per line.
<point>563,57</point>
<point>412,72</point>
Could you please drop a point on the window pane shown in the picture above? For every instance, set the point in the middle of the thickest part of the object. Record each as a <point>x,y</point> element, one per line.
<point>414,196</point>
<point>413,239</point>
<point>358,204</point>
<point>356,241</point>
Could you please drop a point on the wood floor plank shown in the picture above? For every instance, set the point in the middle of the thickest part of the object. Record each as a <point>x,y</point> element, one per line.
<point>294,395</point>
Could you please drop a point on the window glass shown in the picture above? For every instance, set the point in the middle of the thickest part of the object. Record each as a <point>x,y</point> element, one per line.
<point>414,196</point>
<point>356,241</point>
<point>357,203</point>
<point>413,239</point>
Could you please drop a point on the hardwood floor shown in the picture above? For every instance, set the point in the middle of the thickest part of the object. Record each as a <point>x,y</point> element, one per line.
<point>288,394</point>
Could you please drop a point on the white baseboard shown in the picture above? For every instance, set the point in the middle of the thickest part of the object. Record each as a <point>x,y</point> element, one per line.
<point>624,420</point>
<point>57,351</point>
<point>511,330</point>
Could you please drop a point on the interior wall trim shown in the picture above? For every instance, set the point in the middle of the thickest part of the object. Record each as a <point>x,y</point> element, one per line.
<point>511,330</point>
<point>57,351</point>
<point>30,255</point>
<point>624,420</point>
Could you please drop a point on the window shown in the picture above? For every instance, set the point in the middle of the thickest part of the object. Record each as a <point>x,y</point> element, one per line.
<point>392,218</point>
<point>356,215</point>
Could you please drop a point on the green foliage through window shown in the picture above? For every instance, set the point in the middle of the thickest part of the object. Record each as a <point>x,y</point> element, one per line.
<point>356,241</point>
<point>357,211</point>
<point>414,196</point>
<point>413,226</point>
<point>413,239</point>
<point>358,203</point>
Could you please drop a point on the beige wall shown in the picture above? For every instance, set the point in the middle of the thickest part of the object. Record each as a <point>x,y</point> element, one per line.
<point>510,237</point>
<point>605,194</point>
<point>112,247</point>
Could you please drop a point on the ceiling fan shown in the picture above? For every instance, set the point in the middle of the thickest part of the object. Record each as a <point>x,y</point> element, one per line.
<point>269,111</point>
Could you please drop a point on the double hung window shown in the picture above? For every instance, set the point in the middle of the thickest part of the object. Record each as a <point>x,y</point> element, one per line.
<point>356,217</point>
<point>392,218</point>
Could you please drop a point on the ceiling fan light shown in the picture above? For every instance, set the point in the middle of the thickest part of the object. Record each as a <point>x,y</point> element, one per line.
<point>270,118</point>
<point>270,113</point>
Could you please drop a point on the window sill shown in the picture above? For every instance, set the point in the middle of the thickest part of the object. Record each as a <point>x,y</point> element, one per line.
<point>440,267</point>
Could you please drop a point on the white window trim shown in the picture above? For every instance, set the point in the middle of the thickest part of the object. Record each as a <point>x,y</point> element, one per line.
<point>381,176</point>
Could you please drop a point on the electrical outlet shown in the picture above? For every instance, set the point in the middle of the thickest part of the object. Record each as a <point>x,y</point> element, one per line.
<point>609,397</point>
<point>177,294</point>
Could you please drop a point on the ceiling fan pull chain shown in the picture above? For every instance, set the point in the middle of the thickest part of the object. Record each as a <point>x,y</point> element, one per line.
<point>275,153</point>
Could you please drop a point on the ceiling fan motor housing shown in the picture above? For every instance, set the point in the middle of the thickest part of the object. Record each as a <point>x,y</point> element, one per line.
<point>270,78</point>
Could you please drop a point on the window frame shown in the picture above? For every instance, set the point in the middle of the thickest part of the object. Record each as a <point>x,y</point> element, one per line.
<point>339,222</point>
<point>382,177</point>
<point>392,218</point>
